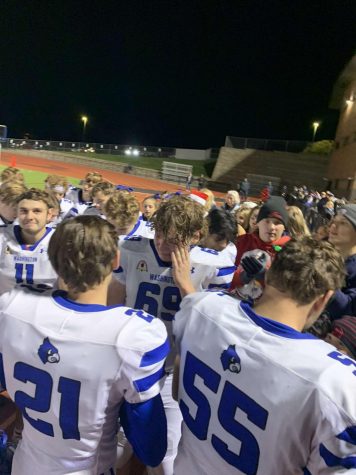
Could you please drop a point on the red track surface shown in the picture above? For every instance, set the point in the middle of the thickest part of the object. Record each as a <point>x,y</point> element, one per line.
<point>40,164</point>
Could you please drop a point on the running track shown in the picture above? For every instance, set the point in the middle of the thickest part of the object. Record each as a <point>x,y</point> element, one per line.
<point>143,186</point>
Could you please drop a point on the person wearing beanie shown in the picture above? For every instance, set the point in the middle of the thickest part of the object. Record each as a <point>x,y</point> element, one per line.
<point>342,233</point>
<point>255,251</point>
<point>343,335</point>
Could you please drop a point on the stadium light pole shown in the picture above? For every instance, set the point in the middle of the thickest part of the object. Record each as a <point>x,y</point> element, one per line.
<point>84,120</point>
<point>316,125</point>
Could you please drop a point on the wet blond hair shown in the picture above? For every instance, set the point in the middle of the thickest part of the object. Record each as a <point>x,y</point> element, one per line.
<point>52,181</point>
<point>10,191</point>
<point>93,178</point>
<point>180,218</point>
<point>104,187</point>
<point>122,208</point>
<point>11,173</point>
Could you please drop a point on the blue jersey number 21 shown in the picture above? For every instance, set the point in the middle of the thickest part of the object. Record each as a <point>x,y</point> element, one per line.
<point>232,398</point>
<point>69,390</point>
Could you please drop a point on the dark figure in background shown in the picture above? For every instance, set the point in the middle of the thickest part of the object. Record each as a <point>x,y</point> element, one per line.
<point>188,182</point>
<point>244,189</point>
<point>201,182</point>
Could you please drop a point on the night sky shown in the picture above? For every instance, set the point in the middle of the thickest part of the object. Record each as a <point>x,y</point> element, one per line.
<point>172,73</point>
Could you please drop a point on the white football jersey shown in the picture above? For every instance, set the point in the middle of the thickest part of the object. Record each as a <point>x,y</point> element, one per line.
<point>141,229</point>
<point>69,367</point>
<point>3,223</point>
<point>64,212</point>
<point>149,282</point>
<point>22,264</point>
<point>79,205</point>
<point>258,397</point>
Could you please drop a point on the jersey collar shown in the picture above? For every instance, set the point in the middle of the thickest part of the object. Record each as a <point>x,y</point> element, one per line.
<point>28,247</point>
<point>61,298</point>
<point>274,327</point>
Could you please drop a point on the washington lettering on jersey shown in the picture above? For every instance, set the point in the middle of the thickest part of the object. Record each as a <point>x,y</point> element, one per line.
<point>259,397</point>
<point>22,264</point>
<point>69,367</point>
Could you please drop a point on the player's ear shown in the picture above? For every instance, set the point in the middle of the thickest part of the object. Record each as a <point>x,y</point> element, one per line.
<point>116,261</point>
<point>318,306</point>
<point>195,238</point>
<point>50,214</point>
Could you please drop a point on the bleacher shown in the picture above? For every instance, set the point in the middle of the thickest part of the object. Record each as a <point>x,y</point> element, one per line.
<point>175,172</point>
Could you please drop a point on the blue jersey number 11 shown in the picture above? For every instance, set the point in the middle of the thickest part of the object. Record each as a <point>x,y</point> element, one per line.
<point>28,273</point>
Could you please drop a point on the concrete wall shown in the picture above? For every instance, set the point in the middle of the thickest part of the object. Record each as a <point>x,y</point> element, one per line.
<point>192,154</point>
<point>290,168</point>
<point>342,168</point>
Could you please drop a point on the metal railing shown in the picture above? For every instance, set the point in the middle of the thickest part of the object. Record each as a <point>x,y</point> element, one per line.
<point>89,147</point>
<point>294,146</point>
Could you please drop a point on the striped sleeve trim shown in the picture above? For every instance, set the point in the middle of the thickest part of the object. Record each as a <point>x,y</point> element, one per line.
<point>144,384</point>
<point>226,271</point>
<point>332,460</point>
<point>156,355</point>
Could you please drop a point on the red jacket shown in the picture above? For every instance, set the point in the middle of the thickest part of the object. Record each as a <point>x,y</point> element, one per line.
<point>248,242</point>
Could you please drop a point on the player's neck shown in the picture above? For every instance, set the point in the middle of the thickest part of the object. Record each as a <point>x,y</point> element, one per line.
<point>32,238</point>
<point>347,251</point>
<point>278,307</point>
<point>95,296</point>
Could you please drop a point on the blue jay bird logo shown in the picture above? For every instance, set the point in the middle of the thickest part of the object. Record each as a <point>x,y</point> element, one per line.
<point>230,360</point>
<point>48,352</point>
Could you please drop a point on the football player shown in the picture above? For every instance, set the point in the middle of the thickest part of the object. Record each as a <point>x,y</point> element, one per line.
<point>23,246</point>
<point>82,197</point>
<point>146,281</point>
<point>122,210</point>
<point>73,365</point>
<point>259,396</point>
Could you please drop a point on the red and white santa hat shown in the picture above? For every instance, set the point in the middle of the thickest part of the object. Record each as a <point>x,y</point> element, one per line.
<point>199,197</point>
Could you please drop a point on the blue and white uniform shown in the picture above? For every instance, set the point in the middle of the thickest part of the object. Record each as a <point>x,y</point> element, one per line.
<point>70,367</point>
<point>79,204</point>
<point>4,223</point>
<point>141,229</point>
<point>24,264</point>
<point>150,286</point>
<point>259,397</point>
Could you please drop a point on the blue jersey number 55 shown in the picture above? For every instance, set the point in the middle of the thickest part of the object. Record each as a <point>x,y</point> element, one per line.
<point>232,398</point>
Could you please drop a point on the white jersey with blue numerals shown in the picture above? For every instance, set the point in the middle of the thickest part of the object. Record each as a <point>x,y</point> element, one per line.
<point>149,282</point>
<point>258,397</point>
<point>24,264</point>
<point>69,367</point>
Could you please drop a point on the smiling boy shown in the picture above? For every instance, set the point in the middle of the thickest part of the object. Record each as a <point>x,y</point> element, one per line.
<point>255,250</point>
<point>23,247</point>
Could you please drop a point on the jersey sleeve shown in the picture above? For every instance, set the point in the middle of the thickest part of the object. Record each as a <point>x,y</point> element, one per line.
<point>334,450</point>
<point>336,455</point>
<point>142,373</point>
<point>219,277</point>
